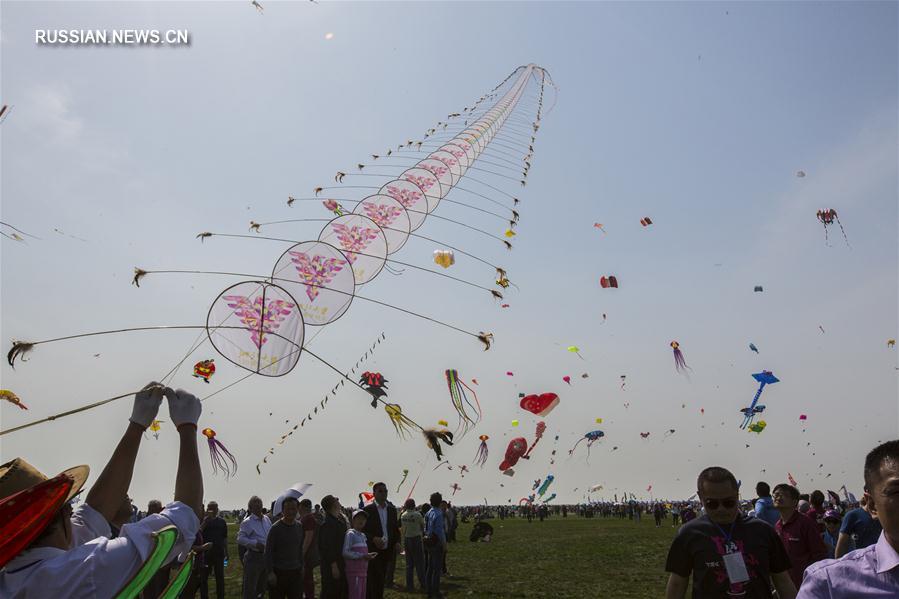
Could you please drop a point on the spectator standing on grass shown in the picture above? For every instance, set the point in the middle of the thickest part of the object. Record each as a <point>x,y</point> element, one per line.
<point>727,553</point>
<point>284,553</point>
<point>383,533</point>
<point>311,557</point>
<point>798,532</point>
<point>859,529</point>
<point>251,537</point>
<point>331,536</point>
<point>412,525</point>
<point>436,546</point>
<point>675,514</point>
<point>214,530</point>
<point>356,556</point>
<point>871,572</point>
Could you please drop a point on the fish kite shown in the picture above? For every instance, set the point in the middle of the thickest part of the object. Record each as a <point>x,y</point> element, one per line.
<point>514,452</point>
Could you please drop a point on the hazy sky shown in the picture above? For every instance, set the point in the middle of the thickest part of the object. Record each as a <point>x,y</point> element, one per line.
<point>697,115</point>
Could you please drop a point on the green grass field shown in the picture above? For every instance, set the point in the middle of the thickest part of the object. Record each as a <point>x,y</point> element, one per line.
<point>561,557</point>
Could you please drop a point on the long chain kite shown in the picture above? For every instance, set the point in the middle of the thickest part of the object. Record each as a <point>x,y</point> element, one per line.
<point>259,323</point>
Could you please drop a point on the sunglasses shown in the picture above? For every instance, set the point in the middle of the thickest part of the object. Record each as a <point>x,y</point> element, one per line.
<point>713,504</point>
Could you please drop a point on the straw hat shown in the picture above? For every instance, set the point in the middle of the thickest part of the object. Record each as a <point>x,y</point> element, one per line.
<point>29,503</point>
<point>19,475</point>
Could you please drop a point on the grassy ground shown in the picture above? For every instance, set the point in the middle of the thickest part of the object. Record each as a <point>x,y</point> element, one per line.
<point>570,557</point>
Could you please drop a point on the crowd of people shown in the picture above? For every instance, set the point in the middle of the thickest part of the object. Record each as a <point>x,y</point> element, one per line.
<point>782,542</point>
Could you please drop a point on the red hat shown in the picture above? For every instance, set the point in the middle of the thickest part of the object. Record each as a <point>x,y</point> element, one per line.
<point>29,501</point>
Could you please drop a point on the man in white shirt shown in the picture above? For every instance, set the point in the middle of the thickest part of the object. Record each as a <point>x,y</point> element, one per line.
<point>251,537</point>
<point>58,563</point>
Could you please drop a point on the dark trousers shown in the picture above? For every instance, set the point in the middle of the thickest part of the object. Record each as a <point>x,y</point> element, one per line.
<point>415,562</point>
<point>215,564</point>
<point>332,588</point>
<point>435,568</point>
<point>288,584</point>
<point>254,575</point>
<point>308,582</point>
<point>377,573</point>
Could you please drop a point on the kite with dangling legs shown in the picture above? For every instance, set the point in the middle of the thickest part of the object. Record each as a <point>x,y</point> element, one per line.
<point>459,398</point>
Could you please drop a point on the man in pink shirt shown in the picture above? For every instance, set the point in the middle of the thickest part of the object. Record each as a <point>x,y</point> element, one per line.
<point>798,532</point>
<point>871,572</point>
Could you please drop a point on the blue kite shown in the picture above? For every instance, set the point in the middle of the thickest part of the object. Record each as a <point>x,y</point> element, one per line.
<point>765,377</point>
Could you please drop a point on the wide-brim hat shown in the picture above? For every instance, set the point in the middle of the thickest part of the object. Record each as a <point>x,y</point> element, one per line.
<point>29,501</point>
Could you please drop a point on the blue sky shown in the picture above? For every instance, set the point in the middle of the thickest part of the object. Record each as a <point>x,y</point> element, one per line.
<point>695,114</point>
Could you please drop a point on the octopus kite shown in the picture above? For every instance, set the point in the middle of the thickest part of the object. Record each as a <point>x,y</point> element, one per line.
<point>204,370</point>
<point>827,217</point>
<point>374,383</point>
<point>591,438</point>
<point>459,398</point>
<point>401,423</point>
<point>222,459</point>
<point>679,363</point>
<point>481,457</point>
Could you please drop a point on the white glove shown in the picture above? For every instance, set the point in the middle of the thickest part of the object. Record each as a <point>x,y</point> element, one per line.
<point>184,407</point>
<point>146,404</point>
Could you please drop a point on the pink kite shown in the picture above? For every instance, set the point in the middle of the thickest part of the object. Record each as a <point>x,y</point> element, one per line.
<point>567,379</point>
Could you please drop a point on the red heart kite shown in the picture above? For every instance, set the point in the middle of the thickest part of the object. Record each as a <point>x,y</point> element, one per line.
<point>541,405</point>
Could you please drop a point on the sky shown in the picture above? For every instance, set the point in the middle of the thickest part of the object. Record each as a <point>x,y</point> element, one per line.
<point>697,115</point>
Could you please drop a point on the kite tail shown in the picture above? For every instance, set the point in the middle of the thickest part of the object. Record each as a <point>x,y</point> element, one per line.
<point>679,363</point>
<point>405,476</point>
<point>222,459</point>
<point>481,457</point>
<point>846,239</point>
<point>571,451</point>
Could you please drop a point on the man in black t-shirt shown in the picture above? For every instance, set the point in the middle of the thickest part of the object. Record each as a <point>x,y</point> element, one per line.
<point>727,553</point>
<point>215,531</point>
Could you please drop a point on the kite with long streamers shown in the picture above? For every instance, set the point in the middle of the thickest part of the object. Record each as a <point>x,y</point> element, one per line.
<point>481,457</point>
<point>827,216</point>
<point>766,377</point>
<point>460,400</point>
<point>591,438</point>
<point>401,423</point>
<point>222,459</point>
<point>679,363</point>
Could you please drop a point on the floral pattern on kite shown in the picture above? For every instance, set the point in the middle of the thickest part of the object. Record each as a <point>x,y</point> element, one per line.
<point>354,239</point>
<point>316,271</point>
<point>259,319</point>
<point>406,197</point>
<point>437,171</point>
<point>382,214</point>
<point>425,183</point>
